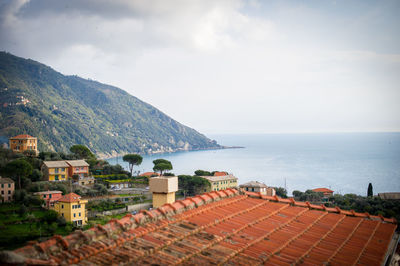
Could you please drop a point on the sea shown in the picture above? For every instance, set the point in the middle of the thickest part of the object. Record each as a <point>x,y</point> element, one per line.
<point>344,162</point>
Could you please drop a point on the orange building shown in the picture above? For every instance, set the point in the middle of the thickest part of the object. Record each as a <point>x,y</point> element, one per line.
<point>327,192</point>
<point>78,167</point>
<point>150,174</point>
<point>23,143</point>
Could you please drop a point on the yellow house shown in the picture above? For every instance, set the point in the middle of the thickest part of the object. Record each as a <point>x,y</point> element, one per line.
<point>222,182</point>
<point>23,143</point>
<point>55,170</point>
<point>72,208</point>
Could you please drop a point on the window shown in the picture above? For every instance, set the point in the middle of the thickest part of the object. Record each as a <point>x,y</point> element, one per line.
<point>50,196</point>
<point>9,185</point>
<point>2,192</point>
<point>252,189</point>
<point>74,214</point>
<point>9,192</point>
<point>63,176</point>
<point>62,214</point>
<point>2,185</point>
<point>79,214</point>
<point>62,206</point>
<point>44,196</point>
<point>63,169</point>
<point>56,170</point>
<point>56,177</point>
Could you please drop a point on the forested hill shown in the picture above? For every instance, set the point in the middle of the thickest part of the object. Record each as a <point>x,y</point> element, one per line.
<point>65,110</point>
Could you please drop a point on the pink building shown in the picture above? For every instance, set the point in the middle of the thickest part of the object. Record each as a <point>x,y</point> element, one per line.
<point>7,187</point>
<point>49,197</point>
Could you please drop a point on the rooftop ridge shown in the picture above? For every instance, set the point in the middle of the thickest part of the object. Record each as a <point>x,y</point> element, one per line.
<point>128,222</point>
<point>220,227</point>
<point>321,207</point>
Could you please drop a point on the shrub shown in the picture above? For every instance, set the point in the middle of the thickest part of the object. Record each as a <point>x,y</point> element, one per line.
<point>50,216</point>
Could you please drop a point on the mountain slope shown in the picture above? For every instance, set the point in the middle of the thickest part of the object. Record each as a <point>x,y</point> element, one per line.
<point>65,110</point>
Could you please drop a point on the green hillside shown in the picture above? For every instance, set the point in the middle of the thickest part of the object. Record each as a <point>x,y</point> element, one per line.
<point>65,110</point>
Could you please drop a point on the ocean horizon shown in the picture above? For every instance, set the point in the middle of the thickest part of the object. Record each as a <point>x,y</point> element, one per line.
<point>343,162</point>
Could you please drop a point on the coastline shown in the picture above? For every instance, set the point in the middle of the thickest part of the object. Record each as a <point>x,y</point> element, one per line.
<point>103,156</point>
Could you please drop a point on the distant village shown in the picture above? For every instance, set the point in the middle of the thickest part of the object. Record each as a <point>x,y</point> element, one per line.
<point>78,191</point>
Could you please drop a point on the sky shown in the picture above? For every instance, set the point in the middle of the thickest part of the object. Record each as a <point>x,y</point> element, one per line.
<point>227,66</point>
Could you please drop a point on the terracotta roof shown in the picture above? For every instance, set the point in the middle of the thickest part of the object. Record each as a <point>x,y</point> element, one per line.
<point>254,184</point>
<point>322,189</point>
<point>224,227</point>
<point>149,174</point>
<point>71,197</point>
<point>76,163</point>
<point>220,178</point>
<point>220,173</point>
<point>23,137</point>
<point>52,164</point>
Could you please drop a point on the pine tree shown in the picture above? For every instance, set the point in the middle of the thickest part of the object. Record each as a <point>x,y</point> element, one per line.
<point>370,192</point>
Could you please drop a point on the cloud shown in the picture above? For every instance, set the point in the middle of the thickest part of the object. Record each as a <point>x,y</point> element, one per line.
<point>234,65</point>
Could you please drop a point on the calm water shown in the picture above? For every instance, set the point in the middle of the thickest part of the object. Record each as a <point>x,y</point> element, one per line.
<point>344,162</point>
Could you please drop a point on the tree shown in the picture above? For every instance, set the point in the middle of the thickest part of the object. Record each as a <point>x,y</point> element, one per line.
<point>22,210</point>
<point>157,161</point>
<point>281,192</point>
<point>82,151</point>
<point>297,194</point>
<point>193,185</point>
<point>202,173</point>
<point>370,192</point>
<point>132,159</point>
<point>36,175</point>
<point>161,167</point>
<point>18,169</point>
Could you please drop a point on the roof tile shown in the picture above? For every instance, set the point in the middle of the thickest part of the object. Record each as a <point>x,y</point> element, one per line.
<point>225,228</point>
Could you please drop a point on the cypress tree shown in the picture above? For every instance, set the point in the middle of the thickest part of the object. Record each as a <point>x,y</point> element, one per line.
<point>370,192</point>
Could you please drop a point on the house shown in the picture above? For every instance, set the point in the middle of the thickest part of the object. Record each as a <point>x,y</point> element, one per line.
<point>7,188</point>
<point>222,182</point>
<point>225,227</point>
<point>23,143</point>
<point>327,192</point>
<point>78,167</point>
<point>255,186</point>
<point>389,195</point>
<point>72,208</point>
<point>49,197</point>
<point>55,170</point>
<point>150,174</point>
<point>119,184</point>
<point>86,181</point>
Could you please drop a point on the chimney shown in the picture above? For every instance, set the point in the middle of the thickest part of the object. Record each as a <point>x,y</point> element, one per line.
<point>163,189</point>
